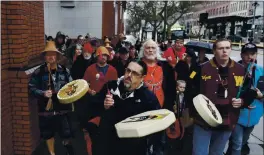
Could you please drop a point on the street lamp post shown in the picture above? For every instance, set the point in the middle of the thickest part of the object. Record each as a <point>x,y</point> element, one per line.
<point>255,4</point>
<point>165,20</point>
<point>142,28</point>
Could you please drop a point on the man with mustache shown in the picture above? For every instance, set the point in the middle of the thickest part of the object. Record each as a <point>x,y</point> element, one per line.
<point>123,98</point>
<point>96,75</point>
<point>82,62</point>
<point>160,78</point>
<point>100,72</point>
<point>44,84</point>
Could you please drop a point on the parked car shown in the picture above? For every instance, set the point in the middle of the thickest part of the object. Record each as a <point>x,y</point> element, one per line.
<point>235,38</point>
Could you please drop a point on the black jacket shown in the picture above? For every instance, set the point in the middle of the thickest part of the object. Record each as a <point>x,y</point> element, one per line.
<point>39,83</point>
<point>79,67</point>
<point>183,73</point>
<point>108,142</point>
<point>119,66</point>
<point>168,84</point>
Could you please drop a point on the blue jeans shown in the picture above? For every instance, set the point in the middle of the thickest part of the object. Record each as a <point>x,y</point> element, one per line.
<point>239,137</point>
<point>208,141</point>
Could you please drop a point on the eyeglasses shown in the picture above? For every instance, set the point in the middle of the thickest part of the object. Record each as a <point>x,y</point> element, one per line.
<point>133,73</point>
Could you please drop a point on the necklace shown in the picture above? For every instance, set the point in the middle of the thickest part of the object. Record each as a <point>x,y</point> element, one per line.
<point>224,84</point>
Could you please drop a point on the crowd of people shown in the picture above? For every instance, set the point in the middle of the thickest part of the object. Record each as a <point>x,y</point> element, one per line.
<point>125,80</point>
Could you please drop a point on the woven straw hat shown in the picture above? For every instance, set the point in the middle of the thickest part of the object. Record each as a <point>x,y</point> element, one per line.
<point>51,47</point>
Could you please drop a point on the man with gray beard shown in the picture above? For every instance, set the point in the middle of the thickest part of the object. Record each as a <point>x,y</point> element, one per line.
<point>121,99</point>
<point>160,79</point>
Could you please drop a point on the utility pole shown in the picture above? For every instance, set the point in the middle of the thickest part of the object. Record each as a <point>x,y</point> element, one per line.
<point>255,4</point>
<point>165,20</point>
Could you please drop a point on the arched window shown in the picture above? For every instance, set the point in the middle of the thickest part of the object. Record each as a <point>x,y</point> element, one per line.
<point>227,9</point>
<point>223,10</point>
<point>220,11</point>
<point>216,13</point>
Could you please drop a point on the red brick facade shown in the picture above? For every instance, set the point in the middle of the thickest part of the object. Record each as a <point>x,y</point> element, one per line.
<point>22,40</point>
<point>108,27</point>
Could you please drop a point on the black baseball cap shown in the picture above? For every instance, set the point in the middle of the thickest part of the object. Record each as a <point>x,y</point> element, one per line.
<point>249,47</point>
<point>122,50</point>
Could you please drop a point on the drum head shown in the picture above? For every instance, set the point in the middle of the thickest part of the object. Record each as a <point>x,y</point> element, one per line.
<point>207,110</point>
<point>145,123</point>
<point>73,91</point>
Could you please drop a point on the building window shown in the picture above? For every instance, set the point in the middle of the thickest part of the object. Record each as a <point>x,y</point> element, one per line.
<point>223,10</point>
<point>220,9</point>
<point>216,12</point>
<point>246,5</point>
<point>226,9</point>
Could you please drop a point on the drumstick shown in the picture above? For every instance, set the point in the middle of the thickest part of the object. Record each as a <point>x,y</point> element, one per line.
<point>249,68</point>
<point>108,91</point>
<point>49,104</point>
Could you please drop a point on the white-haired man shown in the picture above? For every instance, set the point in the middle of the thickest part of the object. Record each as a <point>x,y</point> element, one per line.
<point>160,77</point>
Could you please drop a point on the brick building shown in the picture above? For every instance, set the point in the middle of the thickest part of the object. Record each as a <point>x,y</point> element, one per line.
<point>217,9</point>
<point>22,40</point>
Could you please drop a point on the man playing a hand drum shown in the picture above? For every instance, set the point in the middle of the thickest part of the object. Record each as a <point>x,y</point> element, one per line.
<point>44,84</point>
<point>219,80</point>
<point>121,99</point>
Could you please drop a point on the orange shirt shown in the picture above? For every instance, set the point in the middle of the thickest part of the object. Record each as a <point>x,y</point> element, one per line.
<point>153,81</point>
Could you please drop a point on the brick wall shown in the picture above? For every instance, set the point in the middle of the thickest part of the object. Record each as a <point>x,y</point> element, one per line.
<point>120,18</point>
<point>22,40</point>
<point>108,27</point>
<point>6,106</point>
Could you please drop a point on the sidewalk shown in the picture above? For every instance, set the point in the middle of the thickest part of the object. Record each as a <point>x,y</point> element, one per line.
<point>78,142</point>
<point>255,142</point>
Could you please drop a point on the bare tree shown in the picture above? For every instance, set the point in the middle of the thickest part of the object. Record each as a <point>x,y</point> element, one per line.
<point>175,10</point>
<point>153,12</point>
